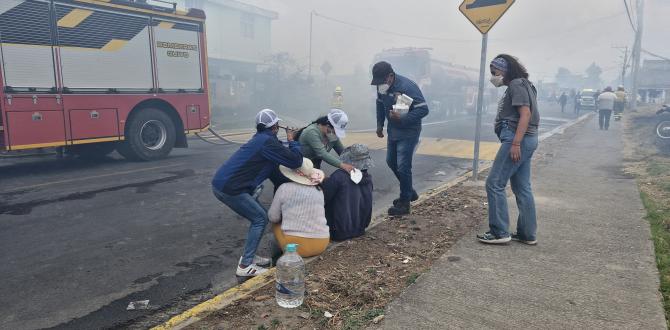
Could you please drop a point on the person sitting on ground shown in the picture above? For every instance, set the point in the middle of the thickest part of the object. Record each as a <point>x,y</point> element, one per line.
<point>322,136</point>
<point>297,211</point>
<point>348,200</point>
<point>236,180</point>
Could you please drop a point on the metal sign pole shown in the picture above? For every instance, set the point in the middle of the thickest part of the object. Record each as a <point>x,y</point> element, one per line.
<point>480,103</point>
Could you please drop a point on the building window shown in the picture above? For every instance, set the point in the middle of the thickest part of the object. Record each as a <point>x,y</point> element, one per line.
<point>247,25</point>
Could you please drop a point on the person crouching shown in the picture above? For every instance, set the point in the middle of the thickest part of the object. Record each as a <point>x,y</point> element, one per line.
<point>297,211</point>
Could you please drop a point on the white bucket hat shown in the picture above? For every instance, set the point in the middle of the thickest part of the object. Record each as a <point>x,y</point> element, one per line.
<point>305,174</point>
<point>267,117</point>
<point>339,120</point>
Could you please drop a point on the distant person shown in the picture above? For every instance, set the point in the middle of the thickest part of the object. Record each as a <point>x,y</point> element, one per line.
<point>606,101</point>
<point>516,125</point>
<point>323,135</point>
<point>297,211</point>
<point>577,99</point>
<point>404,129</point>
<point>563,100</point>
<point>620,102</point>
<point>349,203</point>
<point>237,179</point>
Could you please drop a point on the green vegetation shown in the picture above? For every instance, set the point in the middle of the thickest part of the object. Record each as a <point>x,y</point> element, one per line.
<point>412,278</point>
<point>354,320</point>
<point>658,219</point>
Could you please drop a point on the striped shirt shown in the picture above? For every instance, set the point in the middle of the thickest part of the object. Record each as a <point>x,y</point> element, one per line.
<point>300,210</point>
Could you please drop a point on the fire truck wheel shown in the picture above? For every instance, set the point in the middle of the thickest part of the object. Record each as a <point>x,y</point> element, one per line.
<point>150,135</point>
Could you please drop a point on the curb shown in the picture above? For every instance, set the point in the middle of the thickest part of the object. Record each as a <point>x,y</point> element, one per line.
<point>247,288</point>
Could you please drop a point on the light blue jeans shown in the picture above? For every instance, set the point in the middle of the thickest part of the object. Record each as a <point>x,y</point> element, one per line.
<point>518,174</point>
<point>249,208</point>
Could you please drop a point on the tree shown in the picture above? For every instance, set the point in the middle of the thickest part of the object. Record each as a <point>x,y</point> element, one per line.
<point>593,73</point>
<point>564,77</point>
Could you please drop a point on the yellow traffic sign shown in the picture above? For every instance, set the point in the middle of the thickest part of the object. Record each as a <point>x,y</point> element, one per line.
<point>483,14</point>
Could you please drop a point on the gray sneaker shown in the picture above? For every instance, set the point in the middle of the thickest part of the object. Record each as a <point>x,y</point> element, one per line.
<point>516,237</point>
<point>490,238</point>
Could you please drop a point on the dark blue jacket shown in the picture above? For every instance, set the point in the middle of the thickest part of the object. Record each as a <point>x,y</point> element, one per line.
<point>348,205</point>
<point>409,125</point>
<point>252,164</point>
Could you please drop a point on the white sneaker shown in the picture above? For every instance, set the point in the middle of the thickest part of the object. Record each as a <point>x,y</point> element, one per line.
<point>258,260</point>
<point>250,271</point>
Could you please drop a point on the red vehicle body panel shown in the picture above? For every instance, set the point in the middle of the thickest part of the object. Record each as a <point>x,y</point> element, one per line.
<point>61,119</point>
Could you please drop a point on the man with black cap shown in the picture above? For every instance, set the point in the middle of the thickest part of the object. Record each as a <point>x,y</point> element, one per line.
<point>404,128</point>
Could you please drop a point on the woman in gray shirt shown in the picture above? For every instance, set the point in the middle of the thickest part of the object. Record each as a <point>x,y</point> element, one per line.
<point>516,126</point>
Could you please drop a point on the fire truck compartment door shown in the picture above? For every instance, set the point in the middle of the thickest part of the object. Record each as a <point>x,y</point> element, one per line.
<point>89,124</point>
<point>193,117</point>
<point>35,129</point>
<point>32,102</point>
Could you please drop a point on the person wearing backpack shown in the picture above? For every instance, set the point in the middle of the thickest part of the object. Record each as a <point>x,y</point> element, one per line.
<point>516,125</point>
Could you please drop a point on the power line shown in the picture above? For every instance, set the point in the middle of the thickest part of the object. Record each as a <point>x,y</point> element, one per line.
<point>655,55</point>
<point>630,19</point>
<point>368,28</point>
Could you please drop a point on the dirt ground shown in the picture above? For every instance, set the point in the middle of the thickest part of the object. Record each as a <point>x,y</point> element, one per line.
<point>645,156</point>
<point>648,159</point>
<point>353,283</point>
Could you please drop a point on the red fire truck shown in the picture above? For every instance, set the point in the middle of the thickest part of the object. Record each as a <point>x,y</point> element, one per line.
<point>92,76</point>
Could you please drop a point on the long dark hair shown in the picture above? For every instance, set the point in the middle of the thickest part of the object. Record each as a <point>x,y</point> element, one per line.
<point>323,120</point>
<point>515,69</point>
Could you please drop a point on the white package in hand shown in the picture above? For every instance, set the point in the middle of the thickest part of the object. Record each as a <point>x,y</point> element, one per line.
<point>402,104</point>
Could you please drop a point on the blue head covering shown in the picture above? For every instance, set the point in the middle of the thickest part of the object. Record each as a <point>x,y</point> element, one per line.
<point>500,64</point>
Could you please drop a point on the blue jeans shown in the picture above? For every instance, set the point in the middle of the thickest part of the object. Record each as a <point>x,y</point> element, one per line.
<point>503,170</point>
<point>399,156</point>
<point>249,208</point>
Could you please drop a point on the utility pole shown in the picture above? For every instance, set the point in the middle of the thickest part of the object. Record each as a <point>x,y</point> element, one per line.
<point>637,48</point>
<point>624,65</point>
<point>480,102</point>
<point>311,25</point>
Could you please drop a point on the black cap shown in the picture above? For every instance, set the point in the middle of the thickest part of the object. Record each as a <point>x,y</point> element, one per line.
<point>380,71</point>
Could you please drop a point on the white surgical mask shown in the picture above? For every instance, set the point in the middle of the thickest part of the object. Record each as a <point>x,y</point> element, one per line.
<point>497,81</point>
<point>383,88</point>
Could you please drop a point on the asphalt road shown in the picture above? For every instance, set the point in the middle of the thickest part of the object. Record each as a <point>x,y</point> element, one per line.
<point>80,240</point>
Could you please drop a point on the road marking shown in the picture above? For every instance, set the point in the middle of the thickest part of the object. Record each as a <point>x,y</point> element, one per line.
<point>218,302</point>
<point>432,146</point>
<point>91,177</point>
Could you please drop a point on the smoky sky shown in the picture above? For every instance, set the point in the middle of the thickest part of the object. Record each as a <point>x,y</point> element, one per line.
<point>544,34</point>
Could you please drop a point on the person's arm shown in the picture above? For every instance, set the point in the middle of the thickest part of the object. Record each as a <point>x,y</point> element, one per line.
<point>274,213</point>
<point>381,116</point>
<point>290,157</point>
<point>417,110</point>
<point>313,141</point>
<point>331,187</point>
<point>521,101</point>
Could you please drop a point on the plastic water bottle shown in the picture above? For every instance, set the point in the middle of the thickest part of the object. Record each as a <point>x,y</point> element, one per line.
<point>290,280</point>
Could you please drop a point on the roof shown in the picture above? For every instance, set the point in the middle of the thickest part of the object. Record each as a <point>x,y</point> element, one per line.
<point>655,74</point>
<point>247,8</point>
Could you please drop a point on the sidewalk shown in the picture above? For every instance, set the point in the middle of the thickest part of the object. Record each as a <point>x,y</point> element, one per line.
<point>593,267</point>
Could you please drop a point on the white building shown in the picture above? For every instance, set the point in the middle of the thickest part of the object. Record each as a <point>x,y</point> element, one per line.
<point>239,39</point>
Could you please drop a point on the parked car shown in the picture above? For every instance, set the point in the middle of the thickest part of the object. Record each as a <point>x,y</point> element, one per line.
<point>587,99</point>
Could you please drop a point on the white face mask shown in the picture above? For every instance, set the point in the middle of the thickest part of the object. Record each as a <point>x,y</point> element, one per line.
<point>497,81</point>
<point>383,88</point>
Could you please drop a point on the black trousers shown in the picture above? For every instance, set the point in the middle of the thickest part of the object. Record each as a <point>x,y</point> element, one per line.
<point>604,118</point>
